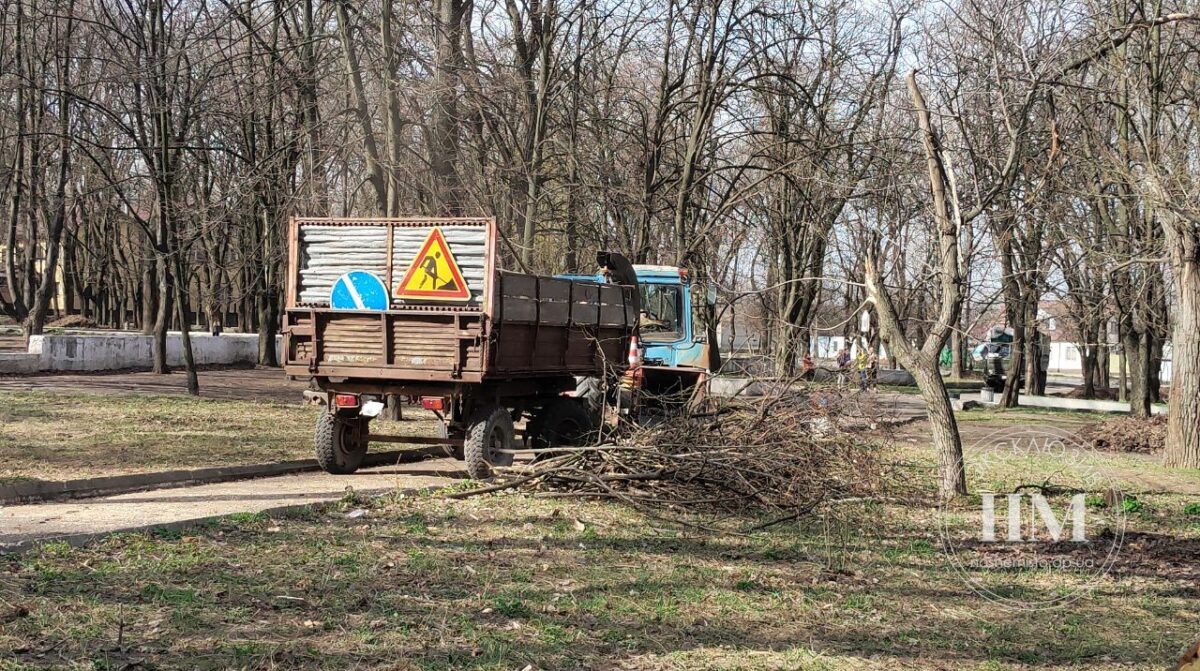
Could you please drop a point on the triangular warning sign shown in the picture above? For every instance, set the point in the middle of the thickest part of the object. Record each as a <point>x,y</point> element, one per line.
<point>434,274</point>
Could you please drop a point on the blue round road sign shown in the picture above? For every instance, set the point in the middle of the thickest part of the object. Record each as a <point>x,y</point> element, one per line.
<point>358,290</point>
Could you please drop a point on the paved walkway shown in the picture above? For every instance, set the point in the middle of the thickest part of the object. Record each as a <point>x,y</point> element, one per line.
<point>76,520</point>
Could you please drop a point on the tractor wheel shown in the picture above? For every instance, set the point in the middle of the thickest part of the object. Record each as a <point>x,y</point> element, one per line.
<point>564,422</point>
<point>590,391</point>
<point>340,444</point>
<point>490,430</point>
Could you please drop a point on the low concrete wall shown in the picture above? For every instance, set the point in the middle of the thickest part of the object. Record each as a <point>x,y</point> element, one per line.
<point>734,385</point>
<point>1093,405</point>
<point>901,378</point>
<point>114,351</point>
<point>19,362</point>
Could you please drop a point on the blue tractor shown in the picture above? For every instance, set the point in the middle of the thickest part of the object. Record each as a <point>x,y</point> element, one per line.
<point>677,346</point>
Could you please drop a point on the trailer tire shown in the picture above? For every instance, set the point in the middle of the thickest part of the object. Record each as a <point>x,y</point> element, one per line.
<point>452,451</point>
<point>563,422</point>
<point>490,429</point>
<point>340,444</point>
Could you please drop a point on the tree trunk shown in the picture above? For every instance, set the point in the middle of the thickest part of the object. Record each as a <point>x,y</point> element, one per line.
<point>1122,376</point>
<point>1137,356</point>
<point>448,30</point>
<point>943,428</point>
<point>41,302</point>
<point>1103,367</point>
<point>362,113</point>
<point>923,362</point>
<point>1034,375</point>
<point>1183,423</point>
<point>958,368</point>
<point>162,317</point>
<point>1087,365</point>
<point>268,320</point>
<point>149,297</point>
<point>185,336</point>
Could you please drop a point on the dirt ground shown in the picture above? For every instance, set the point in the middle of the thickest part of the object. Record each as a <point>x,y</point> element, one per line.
<point>243,384</point>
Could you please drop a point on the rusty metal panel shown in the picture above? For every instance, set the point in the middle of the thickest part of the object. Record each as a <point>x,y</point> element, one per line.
<point>515,326</point>
<point>428,341</point>
<point>586,307</point>
<point>518,298</point>
<point>513,347</point>
<point>554,296</point>
<point>581,349</point>
<point>352,339</point>
<point>612,305</point>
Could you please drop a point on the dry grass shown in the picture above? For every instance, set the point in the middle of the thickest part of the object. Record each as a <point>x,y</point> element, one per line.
<point>508,581</point>
<point>59,436</point>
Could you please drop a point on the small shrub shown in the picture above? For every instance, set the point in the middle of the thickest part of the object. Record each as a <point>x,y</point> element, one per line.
<point>1131,505</point>
<point>510,606</point>
<point>1192,509</point>
<point>745,585</point>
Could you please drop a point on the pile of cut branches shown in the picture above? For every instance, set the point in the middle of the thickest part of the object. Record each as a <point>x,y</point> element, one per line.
<point>745,464</point>
<point>1129,434</point>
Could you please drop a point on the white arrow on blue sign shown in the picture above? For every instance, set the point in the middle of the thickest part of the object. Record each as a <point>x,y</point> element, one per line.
<point>359,290</point>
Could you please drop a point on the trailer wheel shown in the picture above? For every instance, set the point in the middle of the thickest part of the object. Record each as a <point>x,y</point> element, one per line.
<point>491,429</point>
<point>453,451</point>
<point>340,444</point>
<point>563,422</point>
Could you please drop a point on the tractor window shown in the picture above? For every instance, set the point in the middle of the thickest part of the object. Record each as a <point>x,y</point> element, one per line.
<point>661,319</point>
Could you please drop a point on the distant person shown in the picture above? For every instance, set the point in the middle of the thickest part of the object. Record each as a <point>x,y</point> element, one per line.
<point>843,364</point>
<point>807,368</point>
<point>873,371</point>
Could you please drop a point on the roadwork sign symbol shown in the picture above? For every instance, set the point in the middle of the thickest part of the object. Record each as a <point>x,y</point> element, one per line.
<point>434,274</point>
<point>358,290</point>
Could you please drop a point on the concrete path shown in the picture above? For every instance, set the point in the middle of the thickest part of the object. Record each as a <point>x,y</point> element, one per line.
<point>901,406</point>
<point>80,520</point>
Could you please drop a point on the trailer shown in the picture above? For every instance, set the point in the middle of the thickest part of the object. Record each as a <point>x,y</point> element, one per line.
<point>419,308</point>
